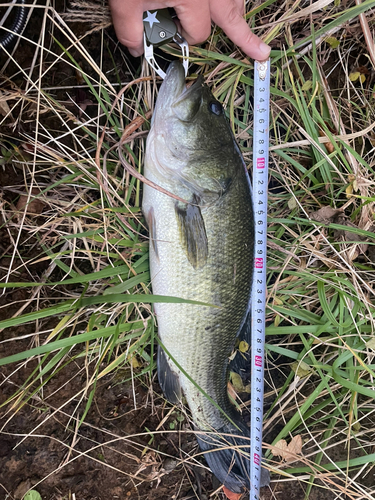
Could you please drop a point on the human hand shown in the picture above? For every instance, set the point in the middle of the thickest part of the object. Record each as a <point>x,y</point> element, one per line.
<point>195,19</point>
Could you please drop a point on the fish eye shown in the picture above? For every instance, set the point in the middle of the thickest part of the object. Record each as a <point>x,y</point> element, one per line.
<point>216,108</point>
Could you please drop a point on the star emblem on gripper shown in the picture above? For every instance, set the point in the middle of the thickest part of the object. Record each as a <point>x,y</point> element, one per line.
<point>151,18</point>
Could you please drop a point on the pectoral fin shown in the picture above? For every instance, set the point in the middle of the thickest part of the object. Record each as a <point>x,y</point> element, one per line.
<point>192,232</point>
<point>168,380</point>
<point>150,219</point>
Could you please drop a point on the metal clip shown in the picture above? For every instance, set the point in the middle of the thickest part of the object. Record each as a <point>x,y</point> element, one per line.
<point>159,29</point>
<point>184,46</point>
<point>149,55</point>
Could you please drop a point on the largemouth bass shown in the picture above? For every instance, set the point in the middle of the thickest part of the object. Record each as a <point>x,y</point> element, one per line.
<point>201,248</point>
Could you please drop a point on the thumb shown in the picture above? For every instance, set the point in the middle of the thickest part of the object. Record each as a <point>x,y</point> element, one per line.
<point>227,15</point>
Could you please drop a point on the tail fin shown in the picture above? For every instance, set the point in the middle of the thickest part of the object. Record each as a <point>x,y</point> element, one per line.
<point>230,465</point>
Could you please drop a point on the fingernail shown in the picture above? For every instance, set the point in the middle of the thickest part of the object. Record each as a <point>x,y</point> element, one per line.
<point>265,50</point>
<point>135,52</point>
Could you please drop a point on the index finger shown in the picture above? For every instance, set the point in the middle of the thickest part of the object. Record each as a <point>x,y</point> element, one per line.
<point>194,17</point>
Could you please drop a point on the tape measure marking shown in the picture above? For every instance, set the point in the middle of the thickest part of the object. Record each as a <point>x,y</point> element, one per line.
<point>258,301</point>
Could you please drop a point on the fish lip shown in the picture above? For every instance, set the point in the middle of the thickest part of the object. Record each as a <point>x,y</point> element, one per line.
<point>171,88</point>
<point>195,87</point>
<point>175,84</point>
<point>172,91</point>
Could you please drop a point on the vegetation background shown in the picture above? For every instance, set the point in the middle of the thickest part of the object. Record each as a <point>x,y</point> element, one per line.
<point>82,415</point>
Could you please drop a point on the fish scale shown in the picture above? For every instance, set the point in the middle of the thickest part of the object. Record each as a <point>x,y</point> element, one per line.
<point>201,344</point>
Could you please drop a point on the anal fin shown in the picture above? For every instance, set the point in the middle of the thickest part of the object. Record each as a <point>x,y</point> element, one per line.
<point>168,380</point>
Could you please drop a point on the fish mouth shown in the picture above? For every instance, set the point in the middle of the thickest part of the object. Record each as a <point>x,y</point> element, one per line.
<point>175,75</point>
<point>174,87</point>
